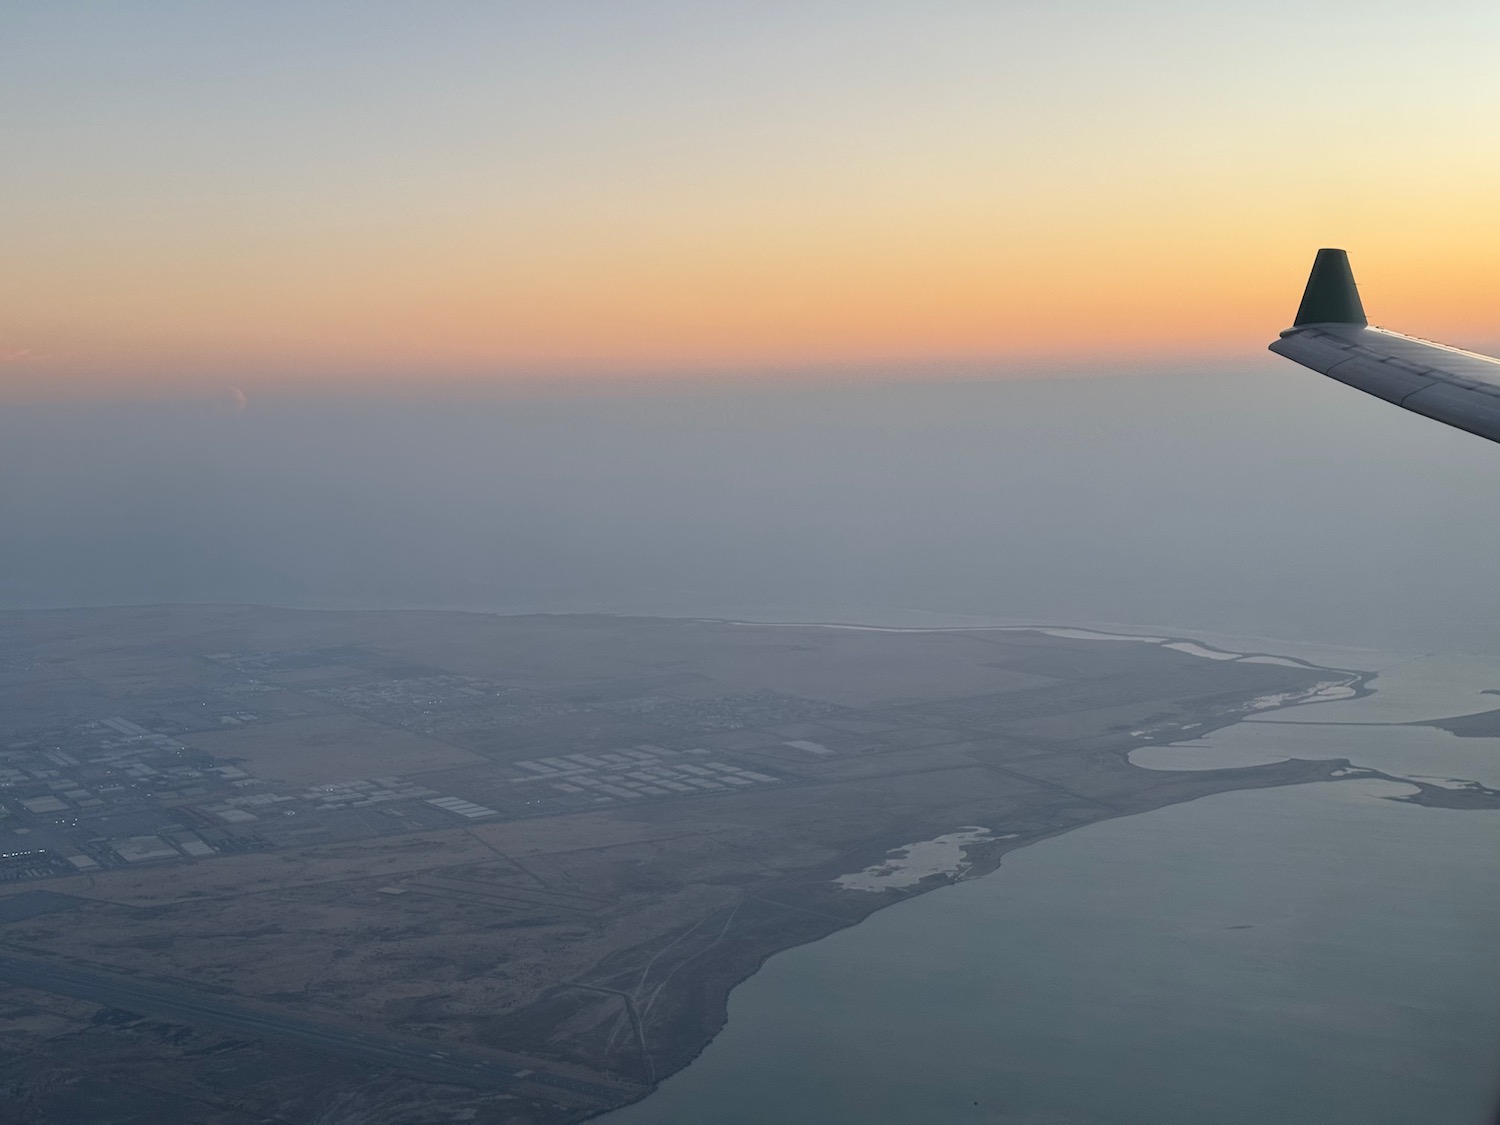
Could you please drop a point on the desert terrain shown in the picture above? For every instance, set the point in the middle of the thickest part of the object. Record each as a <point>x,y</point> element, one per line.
<point>287,865</point>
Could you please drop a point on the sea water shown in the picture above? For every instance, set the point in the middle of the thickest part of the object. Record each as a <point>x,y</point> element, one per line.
<point>1312,954</point>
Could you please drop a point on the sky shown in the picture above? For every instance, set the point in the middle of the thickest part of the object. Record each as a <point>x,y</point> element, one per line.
<point>208,195</point>
<point>1271,503</point>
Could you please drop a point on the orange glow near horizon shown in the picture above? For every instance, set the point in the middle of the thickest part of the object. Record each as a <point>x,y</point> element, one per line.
<point>1145,230</point>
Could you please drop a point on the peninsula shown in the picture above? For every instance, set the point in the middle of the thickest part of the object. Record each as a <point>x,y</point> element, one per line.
<point>421,866</point>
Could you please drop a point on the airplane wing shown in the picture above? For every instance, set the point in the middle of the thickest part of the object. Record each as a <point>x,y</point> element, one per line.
<point>1331,335</point>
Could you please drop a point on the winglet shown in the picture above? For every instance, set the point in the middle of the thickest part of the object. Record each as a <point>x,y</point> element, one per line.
<point>1331,297</point>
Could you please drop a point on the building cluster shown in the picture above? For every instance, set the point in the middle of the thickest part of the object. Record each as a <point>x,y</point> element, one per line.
<point>636,774</point>
<point>112,792</point>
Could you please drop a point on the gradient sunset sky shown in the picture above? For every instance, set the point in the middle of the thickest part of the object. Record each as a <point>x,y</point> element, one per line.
<point>204,193</point>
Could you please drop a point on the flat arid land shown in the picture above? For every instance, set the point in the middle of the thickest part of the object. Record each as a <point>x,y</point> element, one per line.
<point>286,865</point>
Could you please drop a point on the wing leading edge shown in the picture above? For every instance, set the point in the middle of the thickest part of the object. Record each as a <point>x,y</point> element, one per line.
<point>1332,336</point>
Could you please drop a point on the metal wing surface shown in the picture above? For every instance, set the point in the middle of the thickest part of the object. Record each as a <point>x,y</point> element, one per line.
<point>1331,335</point>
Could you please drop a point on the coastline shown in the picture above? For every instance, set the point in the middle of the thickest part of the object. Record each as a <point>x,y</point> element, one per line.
<point>982,857</point>
<point>1461,797</point>
<point>609,938</point>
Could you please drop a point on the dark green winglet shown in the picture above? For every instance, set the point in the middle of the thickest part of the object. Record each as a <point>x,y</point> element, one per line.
<point>1331,297</point>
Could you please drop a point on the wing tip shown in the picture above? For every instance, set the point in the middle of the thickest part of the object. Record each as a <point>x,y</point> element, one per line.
<point>1331,296</point>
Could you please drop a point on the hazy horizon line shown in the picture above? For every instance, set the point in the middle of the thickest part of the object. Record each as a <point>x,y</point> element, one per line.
<point>103,390</point>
